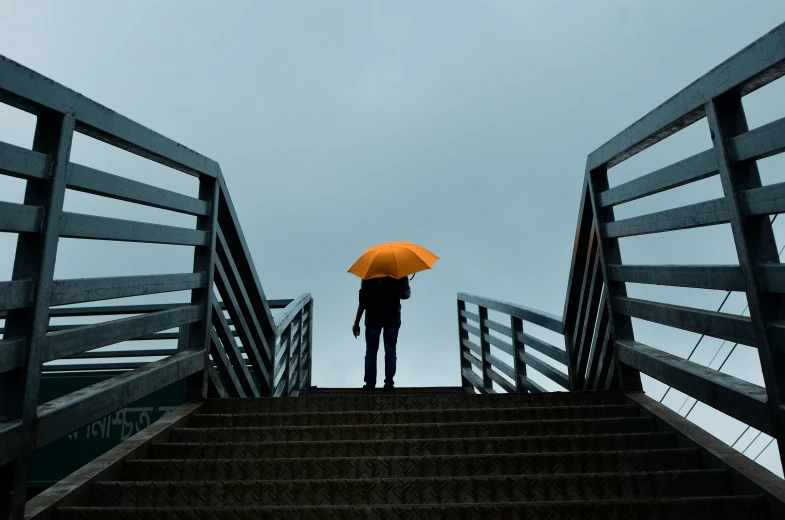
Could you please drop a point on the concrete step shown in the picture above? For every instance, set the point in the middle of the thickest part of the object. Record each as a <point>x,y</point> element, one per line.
<point>414,447</point>
<point>432,490</point>
<point>415,430</point>
<point>418,466</point>
<point>713,508</point>
<point>396,401</point>
<point>411,416</point>
<point>398,390</point>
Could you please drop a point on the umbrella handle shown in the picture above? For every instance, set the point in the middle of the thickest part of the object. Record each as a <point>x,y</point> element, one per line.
<point>412,278</point>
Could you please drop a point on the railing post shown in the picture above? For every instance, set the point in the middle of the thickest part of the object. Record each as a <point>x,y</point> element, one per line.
<point>309,364</point>
<point>34,260</point>
<point>287,356</point>
<point>755,244</point>
<point>197,336</point>
<point>621,325</point>
<point>463,335</point>
<point>517,349</point>
<point>487,382</point>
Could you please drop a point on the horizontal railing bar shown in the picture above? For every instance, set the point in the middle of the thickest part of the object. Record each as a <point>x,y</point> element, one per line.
<point>471,329</point>
<point>720,325</point>
<point>470,316</point>
<point>78,225</point>
<point>758,143</point>
<point>28,90</point>
<point>20,218</point>
<point>10,441</point>
<point>23,163</point>
<point>16,294</point>
<point>777,331</point>
<point>96,182</point>
<point>501,366</point>
<point>70,412</point>
<point>499,380</point>
<point>89,367</point>
<point>472,346</point>
<point>745,71</point>
<point>708,213</point>
<point>773,277</point>
<point>474,360</point>
<point>738,398</point>
<point>542,347</point>
<point>473,378</point>
<point>545,369</point>
<point>68,342</point>
<point>80,290</point>
<point>498,327</point>
<point>543,319</point>
<point>290,312</point>
<point>12,354</point>
<point>530,385</point>
<point>499,343</point>
<point>767,200</point>
<point>691,169</point>
<point>152,352</point>
<point>719,277</point>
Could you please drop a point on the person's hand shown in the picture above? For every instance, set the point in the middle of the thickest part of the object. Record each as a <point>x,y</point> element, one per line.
<point>356,329</point>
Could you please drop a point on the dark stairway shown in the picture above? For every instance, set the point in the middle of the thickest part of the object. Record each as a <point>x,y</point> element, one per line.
<point>423,453</point>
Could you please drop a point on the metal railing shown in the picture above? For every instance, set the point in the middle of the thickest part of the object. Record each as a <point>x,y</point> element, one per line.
<point>600,344</point>
<point>272,357</point>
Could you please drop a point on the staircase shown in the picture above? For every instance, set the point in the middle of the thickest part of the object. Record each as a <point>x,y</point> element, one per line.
<point>422,453</point>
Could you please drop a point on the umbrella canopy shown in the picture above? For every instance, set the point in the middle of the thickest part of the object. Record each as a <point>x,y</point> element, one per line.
<point>396,259</point>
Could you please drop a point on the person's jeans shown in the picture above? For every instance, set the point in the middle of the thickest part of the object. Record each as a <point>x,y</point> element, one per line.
<point>373,330</point>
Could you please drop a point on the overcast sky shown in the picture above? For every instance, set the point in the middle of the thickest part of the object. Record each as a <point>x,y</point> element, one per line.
<point>461,126</point>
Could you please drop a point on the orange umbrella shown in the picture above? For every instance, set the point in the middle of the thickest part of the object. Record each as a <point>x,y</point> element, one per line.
<point>396,259</point>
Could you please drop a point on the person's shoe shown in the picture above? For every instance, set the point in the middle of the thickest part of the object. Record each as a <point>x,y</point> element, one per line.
<point>389,388</point>
<point>368,388</point>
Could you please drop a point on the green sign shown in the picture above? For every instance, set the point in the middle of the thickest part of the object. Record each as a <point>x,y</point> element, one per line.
<point>59,459</point>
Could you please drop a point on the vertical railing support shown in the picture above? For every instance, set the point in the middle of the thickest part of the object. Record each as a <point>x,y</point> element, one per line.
<point>309,364</point>
<point>517,349</point>
<point>462,336</point>
<point>755,244</point>
<point>485,347</point>
<point>198,334</point>
<point>621,326</point>
<point>35,260</point>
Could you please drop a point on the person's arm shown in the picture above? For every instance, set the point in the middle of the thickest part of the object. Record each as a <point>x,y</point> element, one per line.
<point>360,310</point>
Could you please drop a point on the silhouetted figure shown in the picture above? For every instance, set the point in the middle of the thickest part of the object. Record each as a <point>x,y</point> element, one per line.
<point>380,299</point>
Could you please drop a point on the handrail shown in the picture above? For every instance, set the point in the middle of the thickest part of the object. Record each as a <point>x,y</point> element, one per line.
<point>244,354</point>
<point>517,344</point>
<point>600,347</point>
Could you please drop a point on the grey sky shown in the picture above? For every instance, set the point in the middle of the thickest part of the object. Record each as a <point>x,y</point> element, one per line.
<point>461,126</point>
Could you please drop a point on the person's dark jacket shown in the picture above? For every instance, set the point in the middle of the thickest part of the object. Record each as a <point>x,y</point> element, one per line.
<point>381,297</point>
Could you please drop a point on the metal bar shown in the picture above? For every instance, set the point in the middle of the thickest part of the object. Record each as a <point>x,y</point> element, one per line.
<point>224,366</point>
<point>531,386</point>
<point>545,369</point>
<point>463,335</point>
<point>472,347</point>
<point>718,277</point>
<point>34,260</point>
<point>605,362</point>
<point>691,169</point>
<point>498,343</point>
<point>125,353</point>
<point>595,356</point>
<point>309,351</point>
<point>215,388</point>
<point>96,182</point>
<point>543,319</point>
<point>80,290</point>
<point>20,218</point>
<point>233,352</point>
<point>766,200</point>
<point>474,360</point>
<point>708,213</point>
<point>499,380</point>
<point>470,316</point>
<point>755,244</point>
<point>473,379</point>
<point>485,349</point>
<point>738,398</point>
<point>16,294</point>
<point>77,225</point>
<point>28,90</point>
<point>620,325</point>
<point>470,329</point>
<point>519,368</point>
<point>729,327</point>
<point>502,367</point>
<point>258,332</point>
<point>285,318</point>
<point>23,163</point>
<point>759,143</point>
<point>755,66</point>
<point>92,367</point>
<point>73,341</point>
<point>542,347</point>
<point>498,327</point>
<point>772,276</point>
<point>587,284</point>
<point>12,354</point>
<point>589,321</point>
<point>262,364</point>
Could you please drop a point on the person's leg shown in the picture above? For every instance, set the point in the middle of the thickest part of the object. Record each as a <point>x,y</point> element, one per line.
<point>390,358</point>
<point>372,332</point>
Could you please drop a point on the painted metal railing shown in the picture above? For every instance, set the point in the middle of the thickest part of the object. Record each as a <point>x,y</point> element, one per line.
<point>272,357</point>
<point>597,323</point>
